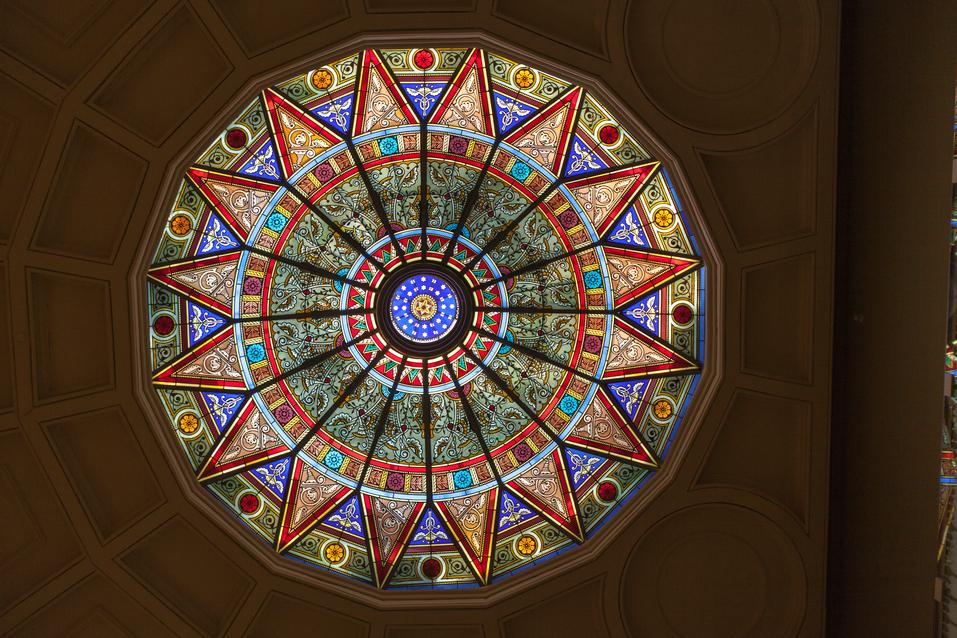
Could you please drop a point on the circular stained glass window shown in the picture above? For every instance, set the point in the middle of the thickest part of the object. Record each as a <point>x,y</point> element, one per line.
<point>425,317</point>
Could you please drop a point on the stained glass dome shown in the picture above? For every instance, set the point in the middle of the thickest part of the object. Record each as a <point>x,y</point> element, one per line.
<point>425,317</point>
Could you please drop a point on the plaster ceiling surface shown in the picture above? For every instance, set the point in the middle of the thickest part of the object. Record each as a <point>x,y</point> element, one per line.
<point>104,106</point>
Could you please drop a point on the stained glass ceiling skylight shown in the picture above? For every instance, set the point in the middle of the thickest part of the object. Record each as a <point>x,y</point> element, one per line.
<point>425,317</point>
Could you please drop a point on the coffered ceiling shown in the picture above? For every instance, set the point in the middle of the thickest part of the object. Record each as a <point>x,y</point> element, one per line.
<point>101,101</point>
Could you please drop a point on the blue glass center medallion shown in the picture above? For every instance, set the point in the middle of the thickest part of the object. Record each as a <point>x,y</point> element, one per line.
<point>424,308</point>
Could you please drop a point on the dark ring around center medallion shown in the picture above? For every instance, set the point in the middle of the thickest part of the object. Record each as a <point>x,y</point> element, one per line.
<point>424,309</point>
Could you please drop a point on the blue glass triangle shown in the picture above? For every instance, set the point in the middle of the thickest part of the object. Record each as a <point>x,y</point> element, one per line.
<point>582,159</point>
<point>347,518</point>
<point>581,465</point>
<point>510,111</point>
<point>513,511</point>
<point>221,407</point>
<point>216,237</point>
<point>628,231</point>
<point>337,112</point>
<point>200,323</point>
<point>629,395</point>
<point>646,312</point>
<point>423,95</point>
<point>262,163</point>
<point>274,475</point>
<point>430,531</point>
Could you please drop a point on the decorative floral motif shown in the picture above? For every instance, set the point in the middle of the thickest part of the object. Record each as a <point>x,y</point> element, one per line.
<point>663,409</point>
<point>249,503</point>
<point>664,218</point>
<point>180,225</point>
<point>524,78</point>
<point>335,552</point>
<point>526,545</point>
<point>188,423</point>
<point>322,79</point>
<point>423,59</point>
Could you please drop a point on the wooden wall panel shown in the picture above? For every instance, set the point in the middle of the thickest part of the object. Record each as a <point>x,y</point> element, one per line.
<point>71,333</point>
<point>108,468</point>
<point>149,93</point>
<point>77,220</point>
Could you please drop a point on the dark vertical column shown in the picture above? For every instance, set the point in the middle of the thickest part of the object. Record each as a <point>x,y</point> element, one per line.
<point>897,79</point>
